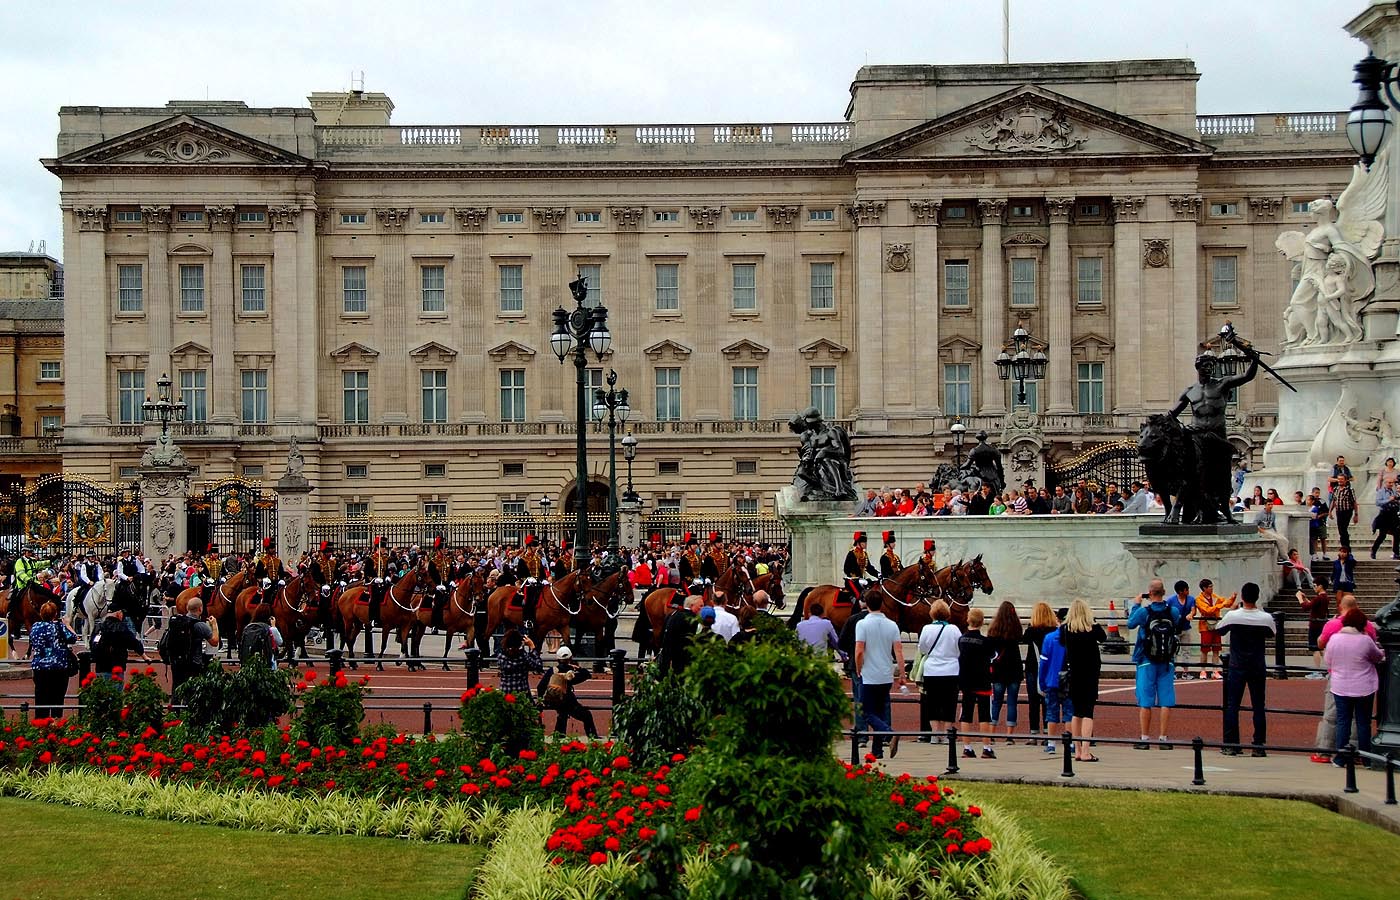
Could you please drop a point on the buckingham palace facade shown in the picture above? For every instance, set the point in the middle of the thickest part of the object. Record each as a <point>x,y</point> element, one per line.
<point>383,292</point>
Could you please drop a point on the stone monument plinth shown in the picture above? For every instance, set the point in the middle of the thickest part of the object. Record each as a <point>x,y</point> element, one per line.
<point>1229,555</point>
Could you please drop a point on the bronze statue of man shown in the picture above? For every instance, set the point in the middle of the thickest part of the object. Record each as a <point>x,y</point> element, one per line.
<point>1207,399</point>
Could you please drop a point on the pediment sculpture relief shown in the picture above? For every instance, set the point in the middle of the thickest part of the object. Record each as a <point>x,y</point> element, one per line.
<point>187,148</point>
<point>1028,129</point>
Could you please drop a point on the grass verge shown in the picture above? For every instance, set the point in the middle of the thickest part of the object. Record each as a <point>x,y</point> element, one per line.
<point>1135,845</point>
<point>57,852</point>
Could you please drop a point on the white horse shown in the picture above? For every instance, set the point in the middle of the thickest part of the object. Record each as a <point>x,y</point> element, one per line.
<point>94,605</point>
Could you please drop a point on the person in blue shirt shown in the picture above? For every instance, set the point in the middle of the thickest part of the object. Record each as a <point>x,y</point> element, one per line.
<point>1155,684</point>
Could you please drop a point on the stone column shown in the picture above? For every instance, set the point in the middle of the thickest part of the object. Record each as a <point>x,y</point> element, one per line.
<point>924,325</point>
<point>90,299</point>
<point>389,385</point>
<point>1185,302</point>
<point>552,385</point>
<point>225,293</point>
<point>1127,378</point>
<point>308,335</point>
<point>869,314</point>
<point>1060,312</point>
<point>164,490</point>
<point>293,507</point>
<point>992,308</point>
<point>287,387</point>
<point>160,305</point>
<point>479,304</point>
<point>629,523</point>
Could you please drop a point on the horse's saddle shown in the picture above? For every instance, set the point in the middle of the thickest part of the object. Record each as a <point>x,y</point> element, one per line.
<point>363,599</point>
<point>676,600</point>
<point>517,597</point>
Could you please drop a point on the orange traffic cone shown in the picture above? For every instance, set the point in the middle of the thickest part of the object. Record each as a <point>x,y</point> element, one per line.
<point>1115,643</point>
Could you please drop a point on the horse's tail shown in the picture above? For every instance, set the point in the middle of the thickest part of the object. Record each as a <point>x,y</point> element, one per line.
<point>800,606</point>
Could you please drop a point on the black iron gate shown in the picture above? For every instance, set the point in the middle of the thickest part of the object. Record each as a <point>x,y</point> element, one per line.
<point>234,514</point>
<point>64,515</point>
<point>1116,462</point>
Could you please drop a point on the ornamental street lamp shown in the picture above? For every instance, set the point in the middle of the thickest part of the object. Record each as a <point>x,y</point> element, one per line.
<point>612,404</point>
<point>629,453</point>
<point>577,331</point>
<point>1022,358</point>
<point>1369,120</point>
<point>959,434</point>
<point>165,410</point>
<point>1229,360</point>
<point>545,503</point>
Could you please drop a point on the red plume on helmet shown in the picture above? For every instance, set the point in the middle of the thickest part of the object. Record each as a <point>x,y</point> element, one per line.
<point>858,537</point>
<point>325,545</point>
<point>689,537</point>
<point>437,542</point>
<point>887,537</point>
<point>928,545</point>
<point>209,548</point>
<point>655,538</point>
<point>714,536</point>
<point>267,543</point>
<point>529,540</point>
<point>377,539</point>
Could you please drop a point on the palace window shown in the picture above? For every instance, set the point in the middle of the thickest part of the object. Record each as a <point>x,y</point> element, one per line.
<point>822,285</point>
<point>251,217</point>
<point>352,218</point>
<point>823,381</point>
<point>254,396</point>
<point>588,217</point>
<point>355,288</point>
<point>434,470</point>
<point>957,291</point>
<point>254,289</point>
<point>435,509</point>
<point>594,274</point>
<point>1225,208</point>
<point>668,287</point>
<point>743,215</point>
<point>1224,280</point>
<point>50,424</point>
<point>745,506</point>
<point>745,284</point>
<point>666,215</point>
<point>357,532</point>
<point>195,394</point>
<point>192,288</point>
<point>131,393</point>
<point>510,218</point>
<point>957,389</point>
<point>512,280</point>
<point>1023,282</point>
<point>356,396</point>
<point>130,294</point>
<point>128,216</point>
<point>1090,387</point>
<point>512,395</point>
<point>356,470</point>
<point>434,396</point>
<point>821,215</point>
<point>434,288</point>
<point>190,216</point>
<point>1089,281</point>
<point>746,392</point>
<point>432,218</point>
<point>50,370</point>
<point>668,395</point>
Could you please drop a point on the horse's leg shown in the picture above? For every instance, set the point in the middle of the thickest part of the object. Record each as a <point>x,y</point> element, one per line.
<point>446,646</point>
<point>383,642</point>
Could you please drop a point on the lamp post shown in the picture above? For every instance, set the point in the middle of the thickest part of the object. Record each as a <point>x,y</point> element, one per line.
<point>612,404</point>
<point>165,410</point>
<point>959,433</point>
<point>1369,120</point>
<point>1022,358</point>
<point>545,503</point>
<point>629,453</point>
<point>577,331</point>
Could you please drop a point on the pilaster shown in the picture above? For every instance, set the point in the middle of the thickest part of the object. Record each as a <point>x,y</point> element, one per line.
<point>224,285</point>
<point>1060,308</point>
<point>869,314</point>
<point>924,331</point>
<point>992,308</point>
<point>478,301</point>
<point>1128,326</point>
<point>160,304</point>
<point>287,388</point>
<point>87,336</point>
<point>389,382</point>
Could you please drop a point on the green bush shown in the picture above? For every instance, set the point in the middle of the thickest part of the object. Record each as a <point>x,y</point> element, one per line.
<point>770,699</point>
<point>494,720</point>
<point>256,696</point>
<point>109,707</point>
<point>331,709</point>
<point>661,717</point>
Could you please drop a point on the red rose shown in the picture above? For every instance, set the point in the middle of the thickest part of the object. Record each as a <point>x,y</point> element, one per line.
<point>693,814</point>
<point>471,788</point>
<point>974,811</point>
<point>645,833</point>
<point>902,828</point>
<point>612,844</point>
<point>598,858</point>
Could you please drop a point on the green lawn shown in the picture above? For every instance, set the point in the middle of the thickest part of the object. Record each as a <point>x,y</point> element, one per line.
<point>56,851</point>
<point>1135,845</point>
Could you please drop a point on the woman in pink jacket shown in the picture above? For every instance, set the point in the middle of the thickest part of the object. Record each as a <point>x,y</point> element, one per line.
<point>1352,656</point>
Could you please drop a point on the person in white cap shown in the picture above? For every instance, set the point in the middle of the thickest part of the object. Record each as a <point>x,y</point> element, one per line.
<point>558,694</point>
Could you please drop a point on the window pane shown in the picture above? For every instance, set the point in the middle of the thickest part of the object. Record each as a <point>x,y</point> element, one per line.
<point>356,397</point>
<point>131,393</point>
<point>668,395</point>
<point>254,289</point>
<point>1023,277</point>
<point>1223,280</point>
<point>434,396</point>
<point>956,292</point>
<point>254,396</point>
<point>824,390</point>
<point>434,288</point>
<point>512,395</point>
<point>1090,280</point>
<point>957,389</point>
<point>191,289</point>
<point>512,288</point>
<point>594,274</point>
<point>745,288</point>
<point>823,287</point>
<point>356,291</point>
<point>1032,395</point>
<point>745,392</point>
<point>668,286</point>
<point>129,289</point>
<point>1090,380</point>
<point>194,394</point>
<point>746,506</point>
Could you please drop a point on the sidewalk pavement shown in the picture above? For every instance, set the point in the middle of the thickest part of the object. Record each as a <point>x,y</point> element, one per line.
<point>1290,776</point>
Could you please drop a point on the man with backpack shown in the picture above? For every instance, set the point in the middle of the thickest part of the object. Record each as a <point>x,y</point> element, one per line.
<point>259,640</point>
<point>182,645</point>
<point>111,644</point>
<point>1158,623</point>
<point>557,693</point>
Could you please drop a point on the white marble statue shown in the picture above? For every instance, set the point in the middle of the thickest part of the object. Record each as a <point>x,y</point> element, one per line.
<point>1334,263</point>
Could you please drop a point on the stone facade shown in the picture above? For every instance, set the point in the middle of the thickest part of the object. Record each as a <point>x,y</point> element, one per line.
<point>31,366</point>
<point>383,293</point>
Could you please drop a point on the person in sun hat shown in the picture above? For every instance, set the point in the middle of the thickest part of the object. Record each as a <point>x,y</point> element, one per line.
<point>557,692</point>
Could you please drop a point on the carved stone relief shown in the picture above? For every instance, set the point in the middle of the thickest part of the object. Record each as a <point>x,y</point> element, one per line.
<point>1156,253</point>
<point>705,216</point>
<point>866,212</point>
<point>1127,207</point>
<point>549,217</point>
<point>627,217</point>
<point>187,149</point>
<point>782,216</point>
<point>897,257</point>
<point>1028,129</point>
<point>91,218</point>
<point>926,211</point>
<point>472,218</point>
<point>390,218</point>
<point>155,217</point>
<point>1185,206</point>
<point>161,530</point>
<point>1265,207</point>
<point>220,216</point>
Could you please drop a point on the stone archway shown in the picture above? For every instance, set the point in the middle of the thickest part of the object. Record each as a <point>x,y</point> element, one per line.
<point>597,498</point>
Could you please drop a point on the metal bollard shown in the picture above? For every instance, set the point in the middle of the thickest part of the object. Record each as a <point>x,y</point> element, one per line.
<point>952,752</point>
<point>1351,769</point>
<point>1280,658</point>
<point>336,659</point>
<point>427,718</point>
<point>1198,777</point>
<point>24,711</point>
<point>1390,779</point>
<point>1067,741</point>
<point>473,667</point>
<point>855,748</point>
<point>619,675</point>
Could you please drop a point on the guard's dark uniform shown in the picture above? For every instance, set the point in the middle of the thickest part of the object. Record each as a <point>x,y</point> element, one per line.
<point>857,566</point>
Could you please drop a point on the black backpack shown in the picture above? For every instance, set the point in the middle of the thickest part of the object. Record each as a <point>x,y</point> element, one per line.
<point>108,635</point>
<point>1162,641</point>
<point>255,642</point>
<point>179,646</point>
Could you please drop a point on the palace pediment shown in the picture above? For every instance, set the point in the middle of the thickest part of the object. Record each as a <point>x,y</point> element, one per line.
<point>1026,124</point>
<point>181,141</point>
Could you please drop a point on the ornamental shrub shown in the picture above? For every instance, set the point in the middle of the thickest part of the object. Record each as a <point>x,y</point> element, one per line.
<point>661,717</point>
<point>495,720</point>
<point>331,709</point>
<point>256,696</point>
<point>108,706</point>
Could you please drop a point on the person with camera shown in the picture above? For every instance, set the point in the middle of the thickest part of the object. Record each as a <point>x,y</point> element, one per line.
<point>557,693</point>
<point>1158,622</point>
<point>182,646</point>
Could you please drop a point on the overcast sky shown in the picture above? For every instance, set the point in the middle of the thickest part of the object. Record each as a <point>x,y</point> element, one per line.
<point>502,62</point>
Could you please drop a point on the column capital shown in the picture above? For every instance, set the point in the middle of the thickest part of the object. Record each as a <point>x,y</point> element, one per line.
<point>627,218</point>
<point>471,218</point>
<point>549,218</point>
<point>706,217</point>
<point>220,217</point>
<point>782,216</point>
<point>1059,208</point>
<point>1185,206</point>
<point>157,218</point>
<point>992,210</point>
<point>1127,207</point>
<point>392,218</point>
<point>866,212</point>
<point>1265,207</point>
<point>926,212</point>
<point>323,217</point>
<point>91,218</point>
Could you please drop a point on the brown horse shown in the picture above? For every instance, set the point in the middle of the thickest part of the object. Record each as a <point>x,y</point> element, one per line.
<point>295,608</point>
<point>399,612</point>
<point>954,584</point>
<point>221,601</point>
<point>599,605</point>
<point>352,618</point>
<point>553,612</point>
<point>974,573</point>
<point>249,606</point>
<point>772,582</point>
<point>734,584</point>
<point>459,614</point>
<point>26,611</point>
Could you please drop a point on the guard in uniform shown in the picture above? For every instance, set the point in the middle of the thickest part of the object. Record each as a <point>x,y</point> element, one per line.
<point>214,566</point>
<point>270,571</point>
<point>533,569</point>
<point>856,567</point>
<point>691,565</point>
<point>715,563</point>
<point>930,557</point>
<point>379,573</point>
<point>440,568</point>
<point>89,574</point>
<point>890,564</point>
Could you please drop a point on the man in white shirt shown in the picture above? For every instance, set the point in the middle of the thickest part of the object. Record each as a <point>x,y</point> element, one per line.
<point>726,623</point>
<point>1139,500</point>
<point>880,661</point>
